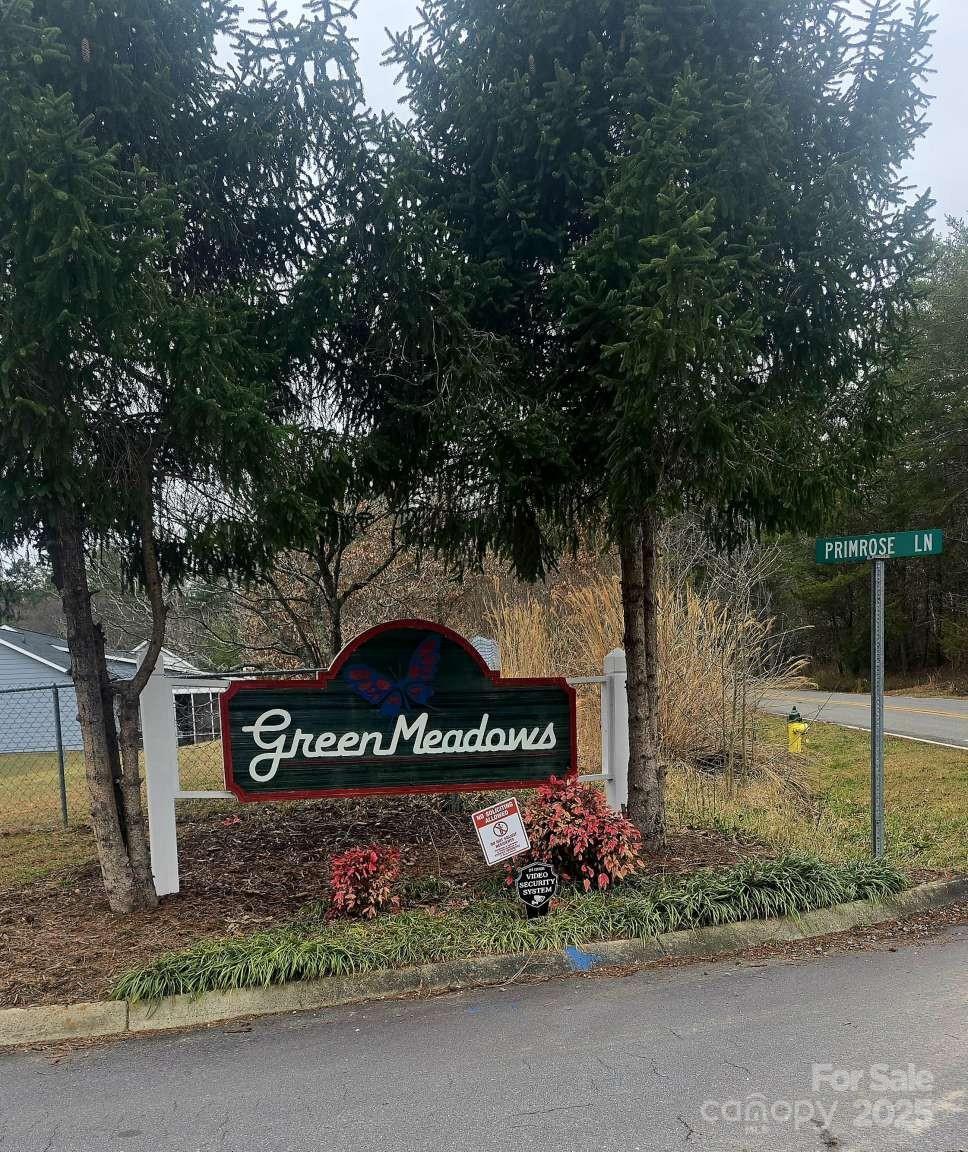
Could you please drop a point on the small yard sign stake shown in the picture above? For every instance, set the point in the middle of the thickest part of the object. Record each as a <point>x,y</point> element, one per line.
<point>878,548</point>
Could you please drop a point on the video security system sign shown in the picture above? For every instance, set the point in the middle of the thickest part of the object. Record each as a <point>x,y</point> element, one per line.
<point>537,885</point>
<point>406,707</point>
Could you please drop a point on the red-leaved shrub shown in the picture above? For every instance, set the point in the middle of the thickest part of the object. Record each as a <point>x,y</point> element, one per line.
<point>572,827</point>
<point>361,881</point>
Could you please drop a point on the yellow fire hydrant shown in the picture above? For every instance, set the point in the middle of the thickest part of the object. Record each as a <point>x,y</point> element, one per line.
<point>795,731</point>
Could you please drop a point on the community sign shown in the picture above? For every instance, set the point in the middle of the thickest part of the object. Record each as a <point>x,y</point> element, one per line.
<point>406,707</point>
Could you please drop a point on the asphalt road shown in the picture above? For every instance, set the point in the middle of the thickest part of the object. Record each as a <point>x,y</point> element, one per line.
<point>658,1060</point>
<point>930,719</point>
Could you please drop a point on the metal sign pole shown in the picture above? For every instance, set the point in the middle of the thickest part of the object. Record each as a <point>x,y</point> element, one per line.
<point>61,770</point>
<point>876,547</point>
<point>877,708</point>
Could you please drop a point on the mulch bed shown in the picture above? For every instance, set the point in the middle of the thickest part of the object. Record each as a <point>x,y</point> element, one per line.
<point>244,870</point>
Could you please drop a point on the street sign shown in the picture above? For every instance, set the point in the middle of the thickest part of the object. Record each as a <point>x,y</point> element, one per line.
<point>407,707</point>
<point>536,884</point>
<point>501,831</point>
<point>879,546</point>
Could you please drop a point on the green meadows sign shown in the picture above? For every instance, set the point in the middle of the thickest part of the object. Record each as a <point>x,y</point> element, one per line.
<point>406,707</point>
<point>879,546</point>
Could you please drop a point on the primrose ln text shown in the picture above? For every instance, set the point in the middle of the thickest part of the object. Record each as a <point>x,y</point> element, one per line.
<point>879,546</point>
<point>271,732</point>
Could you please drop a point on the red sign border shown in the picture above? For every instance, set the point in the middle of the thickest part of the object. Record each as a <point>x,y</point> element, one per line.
<point>330,674</point>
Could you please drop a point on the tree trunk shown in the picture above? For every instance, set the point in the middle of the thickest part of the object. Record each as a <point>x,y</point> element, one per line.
<point>655,795</point>
<point>640,651</point>
<point>139,851</point>
<point>329,563</point>
<point>95,707</point>
<point>336,626</point>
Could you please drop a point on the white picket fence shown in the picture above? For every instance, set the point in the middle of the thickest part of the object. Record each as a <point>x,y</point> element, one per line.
<point>160,733</point>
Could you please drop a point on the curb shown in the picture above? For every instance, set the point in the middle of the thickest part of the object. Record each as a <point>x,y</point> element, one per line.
<point>62,1022</point>
<point>19,1026</point>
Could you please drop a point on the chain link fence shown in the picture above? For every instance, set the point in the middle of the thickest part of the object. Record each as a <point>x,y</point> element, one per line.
<point>198,724</point>
<point>42,781</point>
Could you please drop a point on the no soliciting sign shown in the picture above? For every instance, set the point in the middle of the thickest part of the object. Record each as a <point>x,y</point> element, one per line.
<point>501,831</point>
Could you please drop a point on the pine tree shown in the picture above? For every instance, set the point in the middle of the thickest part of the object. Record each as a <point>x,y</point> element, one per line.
<point>922,482</point>
<point>686,226</point>
<point>156,209</point>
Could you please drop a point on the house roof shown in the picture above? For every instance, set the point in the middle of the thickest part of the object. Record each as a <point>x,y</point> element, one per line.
<point>51,651</point>
<point>173,662</point>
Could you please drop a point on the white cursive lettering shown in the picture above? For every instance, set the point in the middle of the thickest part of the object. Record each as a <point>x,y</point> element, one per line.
<point>271,733</point>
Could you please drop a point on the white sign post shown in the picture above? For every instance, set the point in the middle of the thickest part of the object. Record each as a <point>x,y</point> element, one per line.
<point>160,734</point>
<point>501,831</point>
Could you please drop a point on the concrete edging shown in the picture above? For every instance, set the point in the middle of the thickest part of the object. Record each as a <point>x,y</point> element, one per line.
<point>62,1022</point>
<point>20,1026</point>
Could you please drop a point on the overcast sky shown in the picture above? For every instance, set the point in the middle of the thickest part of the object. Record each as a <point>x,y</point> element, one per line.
<point>941,161</point>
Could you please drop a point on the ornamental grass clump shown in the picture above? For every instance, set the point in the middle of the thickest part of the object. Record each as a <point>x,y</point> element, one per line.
<point>314,947</point>
<point>571,826</point>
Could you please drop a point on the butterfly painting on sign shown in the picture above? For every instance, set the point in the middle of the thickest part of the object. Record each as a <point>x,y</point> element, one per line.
<point>396,696</point>
<point>406,707</point>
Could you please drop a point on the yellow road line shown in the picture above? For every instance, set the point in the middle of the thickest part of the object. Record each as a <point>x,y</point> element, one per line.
<point>889,706</point>
<point>927,712</point>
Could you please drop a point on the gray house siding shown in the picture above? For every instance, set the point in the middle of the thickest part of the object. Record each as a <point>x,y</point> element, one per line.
<point>19,671</point>
<point>27,721</point>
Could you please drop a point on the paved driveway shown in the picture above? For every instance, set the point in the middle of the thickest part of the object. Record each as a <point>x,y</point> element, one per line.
<point>933,720</point>
<point>865,1051</point>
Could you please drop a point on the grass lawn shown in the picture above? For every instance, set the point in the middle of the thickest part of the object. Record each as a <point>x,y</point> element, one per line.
<point>925,797</point>
<point>30,788</point>
<point>26,856</point>
<point>33,841</point>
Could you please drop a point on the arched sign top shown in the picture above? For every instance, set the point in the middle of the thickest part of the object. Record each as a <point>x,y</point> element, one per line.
<point>408,706</point>
<point>351,649</point>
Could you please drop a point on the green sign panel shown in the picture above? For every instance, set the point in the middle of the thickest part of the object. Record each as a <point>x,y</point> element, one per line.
<point>406,707</point>
<point>879,546</point>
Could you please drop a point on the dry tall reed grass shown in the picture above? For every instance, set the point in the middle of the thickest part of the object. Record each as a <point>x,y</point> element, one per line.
<point>717,659</point>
